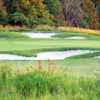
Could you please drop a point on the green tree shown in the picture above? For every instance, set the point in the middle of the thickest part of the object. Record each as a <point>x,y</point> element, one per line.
<point>21,10</point>
<point>54,6</point>
<point>18,19</point>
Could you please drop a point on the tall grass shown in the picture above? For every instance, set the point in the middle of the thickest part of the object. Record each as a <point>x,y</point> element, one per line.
<point>67,29</point>
<point>23,84</point>
<point>50,28</point>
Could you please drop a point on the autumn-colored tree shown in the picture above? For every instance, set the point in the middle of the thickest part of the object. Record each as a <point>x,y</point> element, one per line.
<point>72,11</point>
<point>2,6</point>
<point>89,7</point>
<point>79,13</point>
<point>97,5</point>
<point>40,8</point>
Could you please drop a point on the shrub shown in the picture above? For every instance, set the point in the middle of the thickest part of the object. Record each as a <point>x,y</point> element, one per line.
<point>85,22</point>
<point>18,18</point>
<point>40,21</point>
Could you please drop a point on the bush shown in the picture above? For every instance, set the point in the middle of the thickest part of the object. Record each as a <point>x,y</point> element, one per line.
<point>18,19</point>
<point>85,23</point>
<point>40,21</point>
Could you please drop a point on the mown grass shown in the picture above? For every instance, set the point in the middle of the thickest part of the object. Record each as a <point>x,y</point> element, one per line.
<point>32,84</point>
<point>63,31</point>
<point>17,43</point>
<point>87,36</point>
<point>12,35</point>
<point>31,47</point>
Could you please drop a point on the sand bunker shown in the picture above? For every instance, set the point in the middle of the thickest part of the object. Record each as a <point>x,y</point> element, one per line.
<point>97,57</point>
<point>39,35</point>
<point>56,55</point>
<point>76,38</point>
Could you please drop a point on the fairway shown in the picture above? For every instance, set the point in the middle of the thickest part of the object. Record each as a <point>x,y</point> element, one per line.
<point>84,64</point>
<point>30,47</point>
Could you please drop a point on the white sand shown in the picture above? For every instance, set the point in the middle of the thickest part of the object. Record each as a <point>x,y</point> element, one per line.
<point>76,38</point>
<point>39,35</point>
<point>97,57</point>
<point>56,55</point>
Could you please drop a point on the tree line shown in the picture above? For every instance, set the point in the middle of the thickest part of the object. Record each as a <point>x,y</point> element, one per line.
<point>78,13</point>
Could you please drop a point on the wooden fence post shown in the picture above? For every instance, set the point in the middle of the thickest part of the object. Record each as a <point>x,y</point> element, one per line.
<point>39,64</point>
<point>51,65</point>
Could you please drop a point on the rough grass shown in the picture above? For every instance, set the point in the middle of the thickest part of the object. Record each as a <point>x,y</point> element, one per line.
<point>50,28</point>
<point>83,64</point>
<point>67,29</point>
<point>80,30</point>
<point>29,83</point>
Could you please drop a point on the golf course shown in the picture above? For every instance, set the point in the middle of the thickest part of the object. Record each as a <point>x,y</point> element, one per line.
<point>30,60</point>
<point>49,49</point>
